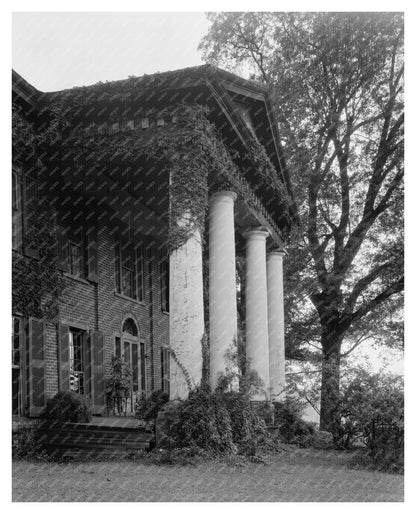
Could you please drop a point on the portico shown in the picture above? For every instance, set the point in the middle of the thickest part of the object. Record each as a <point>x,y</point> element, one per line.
<point>229,216</point>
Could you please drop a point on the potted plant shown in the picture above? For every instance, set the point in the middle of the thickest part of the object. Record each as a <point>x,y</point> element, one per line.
<point>119,386</point>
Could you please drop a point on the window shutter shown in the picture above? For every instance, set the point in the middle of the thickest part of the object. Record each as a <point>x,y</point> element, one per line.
<point>36,367</point>
<point>92,252</point>
<point>62,248</point>
<point>97,372</point>
<point>63,357</point>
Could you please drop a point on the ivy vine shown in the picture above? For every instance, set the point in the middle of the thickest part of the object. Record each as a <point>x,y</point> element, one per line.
<point>189,147</point>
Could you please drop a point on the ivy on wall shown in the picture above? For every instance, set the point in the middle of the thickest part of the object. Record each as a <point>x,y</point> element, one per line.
<point>189,147</point>
<point>37,282</point>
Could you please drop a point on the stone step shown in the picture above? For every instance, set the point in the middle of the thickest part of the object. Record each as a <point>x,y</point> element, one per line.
<point>91,453</point>
<point>84,439</point>
<point>98,435</point>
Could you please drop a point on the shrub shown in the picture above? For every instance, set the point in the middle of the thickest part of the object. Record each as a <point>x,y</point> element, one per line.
<point>220,423</point>
<point>372,410</point>
<point>67,406</point>
<point>292,428</point>
<point>26,444</point>
<point>148,408</point>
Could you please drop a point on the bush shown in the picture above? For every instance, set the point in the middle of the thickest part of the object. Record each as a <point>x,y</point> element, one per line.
<point>26,444</point>
<point>220,423</point>
<point>67,406</point>
<point>148,408</point>
<point>292,428</point>
<point>372,411</point>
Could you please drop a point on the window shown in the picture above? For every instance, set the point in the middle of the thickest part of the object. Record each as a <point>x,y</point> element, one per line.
<point>165,369</point>
<point>17,211</point>
<point>129,270</point>
<point>76,361</point>
<point>16,365</point>
<point>164,285</point>
<point>77,253</point>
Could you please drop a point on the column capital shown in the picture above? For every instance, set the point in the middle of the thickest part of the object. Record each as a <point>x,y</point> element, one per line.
<point>256,233</point>
<point>223,196</point>
<point>276,253</point>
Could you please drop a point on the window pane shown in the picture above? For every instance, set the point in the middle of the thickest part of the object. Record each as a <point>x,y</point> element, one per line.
<point>76,361</point>
<point>135,370</point>
<point>117,267</point>
<point>75,259</point>
<point>118,347</point>
<point>142,367</point>
<point>140,274</point>
<point>127,353</point>
<point>16,342</point>
<point>127,282</point>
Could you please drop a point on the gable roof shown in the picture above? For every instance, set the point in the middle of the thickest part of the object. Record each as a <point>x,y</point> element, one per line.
<point>202,84</point>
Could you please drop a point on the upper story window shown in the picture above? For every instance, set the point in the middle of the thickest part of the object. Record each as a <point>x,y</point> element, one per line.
<point>129,270</point>
<point>164,285</point>
<point>17,211</point>
<point>77,254</point>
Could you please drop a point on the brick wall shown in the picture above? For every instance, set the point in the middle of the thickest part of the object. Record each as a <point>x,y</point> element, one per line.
<point>97,306</point>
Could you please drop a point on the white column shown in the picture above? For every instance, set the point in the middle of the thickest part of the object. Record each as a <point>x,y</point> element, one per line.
<point>186,317</point>
<point>276,323</point>
<point>222,281</point>
<point>257,339</point>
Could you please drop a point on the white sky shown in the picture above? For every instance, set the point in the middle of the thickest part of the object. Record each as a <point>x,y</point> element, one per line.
<point>57,50</point>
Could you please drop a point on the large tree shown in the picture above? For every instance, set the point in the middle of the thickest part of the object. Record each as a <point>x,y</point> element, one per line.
<point>336,83</point>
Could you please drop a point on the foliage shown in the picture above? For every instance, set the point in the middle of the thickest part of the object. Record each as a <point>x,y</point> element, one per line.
<point>120,381</point>
<point>372,411</point>
<point>189,147</point>
<point>67,406</point>
<point>26,444</point>
<point>338,98</point>
<point>37,283</point>
<point>148,408</point>
<point>292,428</point>
<point>238,371</point>
<point>220,423</point>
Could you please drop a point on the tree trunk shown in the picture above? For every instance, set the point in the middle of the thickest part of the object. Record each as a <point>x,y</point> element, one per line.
<point>330,388</point>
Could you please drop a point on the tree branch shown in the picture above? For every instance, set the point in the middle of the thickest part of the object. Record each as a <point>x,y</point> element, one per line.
<point>394,288</point>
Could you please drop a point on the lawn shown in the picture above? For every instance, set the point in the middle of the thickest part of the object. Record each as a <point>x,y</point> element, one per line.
<point>291,476</point>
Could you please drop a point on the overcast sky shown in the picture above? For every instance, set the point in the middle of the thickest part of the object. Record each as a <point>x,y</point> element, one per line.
<point>55,51</point>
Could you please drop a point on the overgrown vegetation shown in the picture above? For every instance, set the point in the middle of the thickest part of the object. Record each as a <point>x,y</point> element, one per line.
<point>67,406</point>
<point>37,282</point>
<point>292,428</point>
<point>148,408</point>
<point>188,146</point>
<point>372,411</point>
<point>219,423</point>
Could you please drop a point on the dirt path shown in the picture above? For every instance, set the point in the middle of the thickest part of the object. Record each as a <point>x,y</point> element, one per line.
<point>297,476</point>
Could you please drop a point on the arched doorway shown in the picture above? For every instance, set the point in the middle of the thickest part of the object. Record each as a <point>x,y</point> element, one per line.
<point>131,348</point>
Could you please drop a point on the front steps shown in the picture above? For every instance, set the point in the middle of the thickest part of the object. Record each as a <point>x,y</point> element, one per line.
<point>85,440</point>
